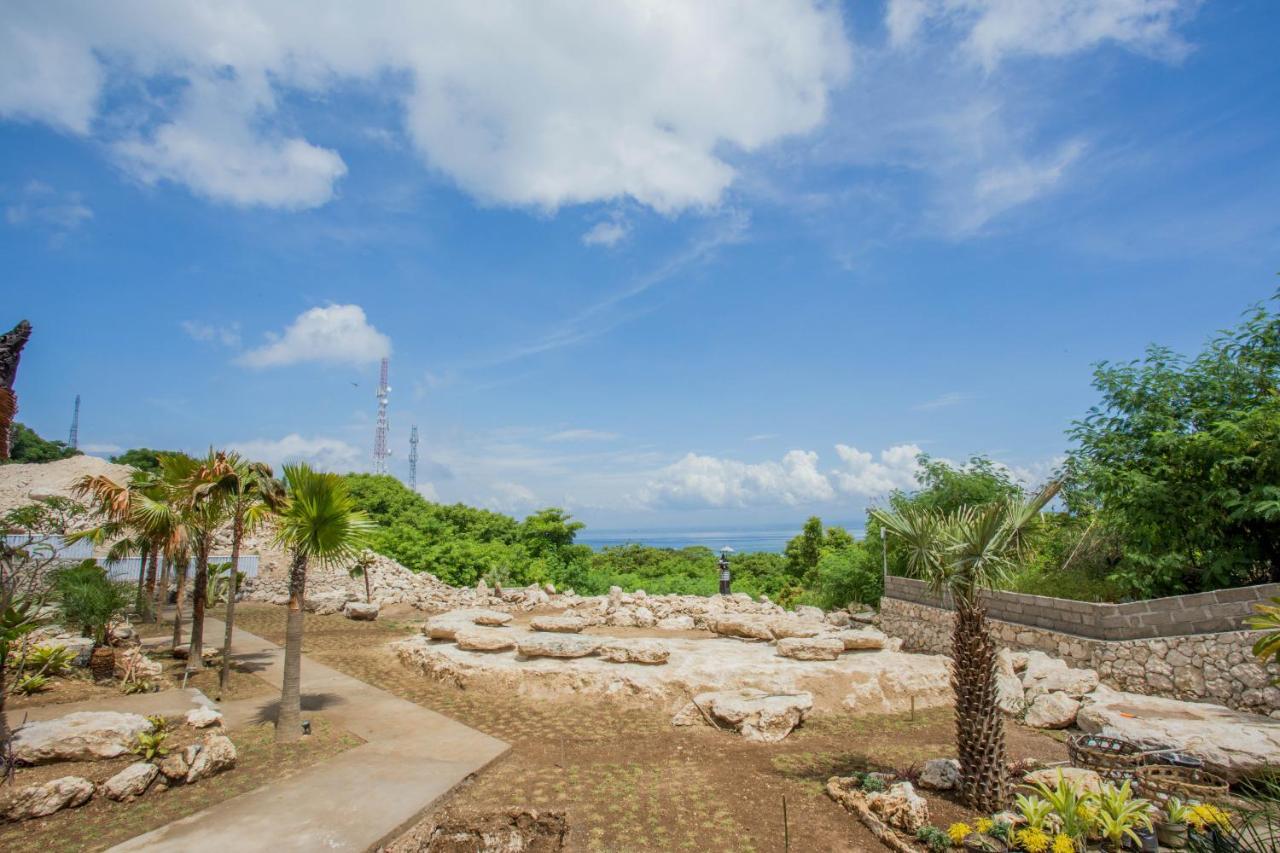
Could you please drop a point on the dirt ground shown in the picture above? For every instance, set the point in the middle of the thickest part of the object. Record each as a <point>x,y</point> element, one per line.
<point>627,779</point>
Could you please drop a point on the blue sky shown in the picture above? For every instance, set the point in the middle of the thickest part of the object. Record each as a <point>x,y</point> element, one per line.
<point>663,264</point>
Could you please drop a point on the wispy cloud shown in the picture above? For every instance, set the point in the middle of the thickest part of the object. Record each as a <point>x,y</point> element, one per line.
<point>228,336</point>
<point>944,401</point>
<point>763,436</point>
<point>608,233</point>
<point>582,435</point>
<point>40,205</point>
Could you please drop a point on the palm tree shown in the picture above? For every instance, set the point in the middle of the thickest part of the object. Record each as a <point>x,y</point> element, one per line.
<point>961,553</point>
<point>318,522</point>
<point>118,508</point>
<point>204,508</point>
<point>253,494</point>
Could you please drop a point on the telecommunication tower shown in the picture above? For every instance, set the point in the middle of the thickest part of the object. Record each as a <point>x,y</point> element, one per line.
<point>380,451</point>
<point>413,457</point>
<point>74,439</point>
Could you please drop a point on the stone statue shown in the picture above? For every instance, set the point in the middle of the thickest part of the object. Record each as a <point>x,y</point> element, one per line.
<point>11,344</point>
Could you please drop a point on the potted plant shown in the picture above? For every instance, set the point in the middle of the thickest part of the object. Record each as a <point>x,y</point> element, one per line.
<point>91,600</point>
<point>1120,814</point>
<point>1172,830</point>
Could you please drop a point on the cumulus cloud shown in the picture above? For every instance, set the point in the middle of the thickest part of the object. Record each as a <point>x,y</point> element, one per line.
<point>608,233</point>
<point>228,336</point>
<point>698,480</point>
<point>519,104</point>
<point>863,475</point>
<point>334,334</point>
<point>511,498</point>
<point>328,454</point>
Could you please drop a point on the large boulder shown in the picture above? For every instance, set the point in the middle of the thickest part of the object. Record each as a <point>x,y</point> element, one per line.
<point>175,765</point>
<point>327,601</point>
<point>1052,711</point>
<point>677,623</point>
<point>216,754</point>
<point>862,639</point>
<point>1035,666</point>
<point>940,774</point>
<point>743,627</point>
<point>446,626</point>
<point>81,648</point>
<point>811,648</point>
<point>1232,743</point>
<point>42,800</point>
<point>1010,696</point>
<point>900,807</point>
<point>634,651</point>
<point>564,624</point>
<point>204,717</point>
<point>1073,682</point>
<point>479,639</point>
<point>809,612</point>
<point>80,736</point>
<point>488,618</point>
<point>754,714</point>
<point>131,782</point>
<point>550,645</point>
<point>360,611</point>
<point>784,627</point>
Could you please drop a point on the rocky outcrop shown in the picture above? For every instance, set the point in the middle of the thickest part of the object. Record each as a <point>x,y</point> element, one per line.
<point>744,627</point>
<point>447,625</point>
<point>900,807</point>
<point>754,714</point>
<point>864,639</point>
<point>1233,744</point>
<point>634,651</point>
<point>81,736</point>
<point>43,800</point>
<point>564,624</point>
<point>131,782</point>
<point>485,639</point>
<point>811,648</point>
<point>1052,711</point>
<point>550,645</point>
<point>216,754</point>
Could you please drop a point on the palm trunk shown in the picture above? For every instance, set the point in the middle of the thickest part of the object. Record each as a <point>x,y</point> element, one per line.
<point>237,532</point>
<point>195,660</point>
<point>289,720</point>
<point>984,784</point>
<point>142,580</point>
<point>181,573</point>
<point>150,588</point>
<point>368,597</point>
<point>162,588</point>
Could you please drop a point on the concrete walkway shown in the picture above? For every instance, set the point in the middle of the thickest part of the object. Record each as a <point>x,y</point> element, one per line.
<point>354,801</point>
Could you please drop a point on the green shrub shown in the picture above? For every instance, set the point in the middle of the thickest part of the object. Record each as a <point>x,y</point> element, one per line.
<point>150,745</point>
<point>31,684</point>
<point>90,599</point>
<point>49,660</point>
<point>933,838</point>
<point>852,574</point>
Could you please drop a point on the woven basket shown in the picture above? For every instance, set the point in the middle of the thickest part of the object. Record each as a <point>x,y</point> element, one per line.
<point>1112,757</point>
<point>1159,782</point>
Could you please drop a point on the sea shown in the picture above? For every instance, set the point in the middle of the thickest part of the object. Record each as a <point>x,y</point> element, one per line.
<point>772,538</point>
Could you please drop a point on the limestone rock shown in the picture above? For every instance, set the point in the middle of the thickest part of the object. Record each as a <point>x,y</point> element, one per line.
<point>900,807</point>
<point>1073,682</point>
<point>360,611</point>
<point>940,774</point>
<point>1009,694</point>
<point>1004,663</point>
<point>862,639</point>
<point>784,627</point>
<point>81,648</point>
<point>677,623</point>
<point>485,639</point>
<point>754,714</point>
<point>557,645</point>
<point>216,754</point>
<point>489,618</point>
<point>42,800</point>
<point>512,831</point>
<point>1080,778</point>
<point>203,717</point>
<point>745,627</point>
<point>811,648</point>
<point>635,651</point>
<point>326,602</point>
<point>131,782</point>
<point>565,624</point>
<point>445,627</point>
<point>813,614</point>
<point>838,618</point>
<point>1232,743</point>
<point>175,765</point>
<point>1038,666</point>
<point>80,736</point>
<point>1052,711</point>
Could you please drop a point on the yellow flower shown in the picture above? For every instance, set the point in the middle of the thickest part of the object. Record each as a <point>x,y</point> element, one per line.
<point>1203,815</point>
<point>983,824</point>
<point>1033,840</point>
<point>1062,844</point>
<point>958,832</point>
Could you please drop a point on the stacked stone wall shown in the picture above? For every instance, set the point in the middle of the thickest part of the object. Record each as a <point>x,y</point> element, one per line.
<point>1207,666</point>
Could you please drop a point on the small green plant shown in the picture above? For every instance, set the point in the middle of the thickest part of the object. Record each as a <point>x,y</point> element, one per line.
<point>150,745</point>
<point>158,723</point>
<point>1000,830</point>
<point>132,687</point>
<point>871,782</point>
<point>933,838</point>
<point>49,660</point>
<point>1035,810</point>
<point>1119,813</point>
<point>31,684</point>
<point>1176,811</point>
<point>1075,812</point>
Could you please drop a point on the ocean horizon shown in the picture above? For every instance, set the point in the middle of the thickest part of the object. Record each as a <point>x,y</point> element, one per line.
<point>772,538</point>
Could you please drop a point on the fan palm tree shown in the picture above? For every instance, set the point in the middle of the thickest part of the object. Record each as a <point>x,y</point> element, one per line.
<point>317,523</point>
<point>121,523</point>
<point>204,508</point>
<point>252,494</point>
<point>959,554</point>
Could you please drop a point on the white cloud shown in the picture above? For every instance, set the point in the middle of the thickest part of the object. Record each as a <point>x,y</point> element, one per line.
<point>995,30</point>
<point>228,336</point>
<point>943,401</point>
<point>699,480</point>
<point>428,491</point>
<point>334,334</point>
<point>861,474</point>
<point>763,436</point>
<point>520,104</point>
<point>328,454</point>
<point>511,498</point>
<point>608,233</point>
<point>102,449</point>
<point>582,435</point>
<point>42,205</point>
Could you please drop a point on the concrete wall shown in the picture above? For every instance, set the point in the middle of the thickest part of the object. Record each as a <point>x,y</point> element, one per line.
<point>1184,647</point>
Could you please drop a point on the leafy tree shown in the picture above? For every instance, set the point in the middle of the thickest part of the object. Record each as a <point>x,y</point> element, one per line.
<point>804,551</point>
<point>1181,461</point>
<point>144,458</point>
<point>847,575</point>
<point>318,523</point>
<point>961,552</point>
<point>26,446</point>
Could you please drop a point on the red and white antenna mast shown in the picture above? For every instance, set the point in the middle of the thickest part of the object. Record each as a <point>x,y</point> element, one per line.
<point>380,451</point>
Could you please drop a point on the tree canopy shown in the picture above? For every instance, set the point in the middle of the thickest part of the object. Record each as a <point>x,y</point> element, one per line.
<point>26,445</point>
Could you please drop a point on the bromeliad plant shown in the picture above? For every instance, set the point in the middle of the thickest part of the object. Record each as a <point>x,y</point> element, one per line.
<point>1120,814</point>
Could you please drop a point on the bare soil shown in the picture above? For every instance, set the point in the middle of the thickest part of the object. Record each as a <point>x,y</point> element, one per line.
<point>627,779</point>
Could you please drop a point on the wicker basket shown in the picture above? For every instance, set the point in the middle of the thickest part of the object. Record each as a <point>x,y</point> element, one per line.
<point>1159,782</point>
<point>1112,757</point>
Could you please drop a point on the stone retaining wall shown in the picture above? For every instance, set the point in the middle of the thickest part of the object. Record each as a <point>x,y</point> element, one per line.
<point>1207,666</point>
